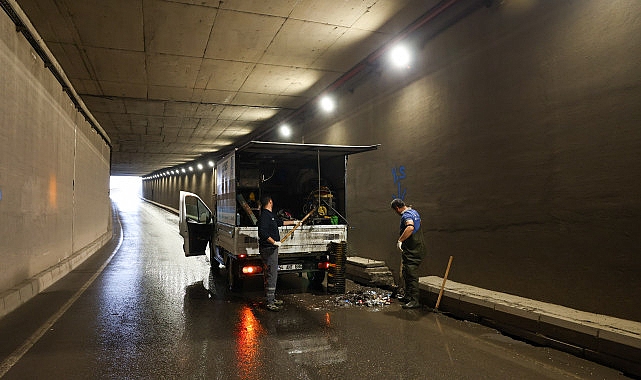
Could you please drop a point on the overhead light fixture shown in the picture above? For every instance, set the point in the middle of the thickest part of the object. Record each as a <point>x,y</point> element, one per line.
<point>400,56</point>
<point>211,164</point>
<point>183,170</point>
<point>191,168</point>
<point>327,104</point>
<point>200,166</point>
<point>285,131</point>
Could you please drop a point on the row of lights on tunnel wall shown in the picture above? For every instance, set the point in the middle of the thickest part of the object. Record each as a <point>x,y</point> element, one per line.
<point>399,56</point>
<point>199,166</point>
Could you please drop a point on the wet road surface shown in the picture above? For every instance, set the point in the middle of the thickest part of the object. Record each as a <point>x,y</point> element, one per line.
<point>140,309</point>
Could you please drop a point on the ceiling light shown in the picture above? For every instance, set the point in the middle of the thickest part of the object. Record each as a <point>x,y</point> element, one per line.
<point>200,166</point>
<point>211,164</point>
<point>183,170</point>
<point>285,131</point>
<point>327,104</point>
<point>191,168</point>
<point>400,56</point>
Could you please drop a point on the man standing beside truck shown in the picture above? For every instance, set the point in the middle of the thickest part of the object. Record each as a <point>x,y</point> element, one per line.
<point>268,243</point>
<point>410,243</point>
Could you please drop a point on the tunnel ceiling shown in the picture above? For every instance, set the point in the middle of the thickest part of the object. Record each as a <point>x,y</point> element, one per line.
<point>170,81</point>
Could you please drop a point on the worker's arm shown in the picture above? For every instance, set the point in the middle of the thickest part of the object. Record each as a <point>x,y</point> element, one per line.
<point>409,228</point>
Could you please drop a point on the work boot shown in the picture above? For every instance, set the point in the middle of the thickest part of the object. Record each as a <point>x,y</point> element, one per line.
<point>411,305</point>
<point>273,307</point>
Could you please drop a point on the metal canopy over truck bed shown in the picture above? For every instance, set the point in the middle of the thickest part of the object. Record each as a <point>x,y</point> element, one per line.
<point>265,150</point>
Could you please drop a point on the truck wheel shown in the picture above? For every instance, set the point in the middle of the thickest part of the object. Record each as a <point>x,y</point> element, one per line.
<point>316,279</point>
<point>234,282</point>
<point>215,267</point>
<point>213,263</point>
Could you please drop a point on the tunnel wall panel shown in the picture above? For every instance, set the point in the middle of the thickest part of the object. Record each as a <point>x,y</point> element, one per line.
<point>516,135</point>
<point>54,170</point>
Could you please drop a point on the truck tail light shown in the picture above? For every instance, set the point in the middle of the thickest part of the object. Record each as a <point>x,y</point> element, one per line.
<point>323,265</point>
<point>252,269</point>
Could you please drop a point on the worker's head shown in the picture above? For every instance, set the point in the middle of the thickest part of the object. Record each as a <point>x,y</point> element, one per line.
<point>397,204</point>
<point>265,200</point>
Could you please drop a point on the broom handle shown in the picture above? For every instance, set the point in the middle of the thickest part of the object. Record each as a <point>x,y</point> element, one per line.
<point>440,294</point>
<point>297,225</point>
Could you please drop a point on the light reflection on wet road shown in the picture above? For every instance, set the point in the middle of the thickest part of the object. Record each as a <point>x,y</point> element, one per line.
<point>153,314</point>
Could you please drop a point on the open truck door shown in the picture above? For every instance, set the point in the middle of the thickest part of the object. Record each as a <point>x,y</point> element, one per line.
<point>196,224</point>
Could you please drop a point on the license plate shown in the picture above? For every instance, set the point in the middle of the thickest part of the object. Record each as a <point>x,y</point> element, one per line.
<point>290,266</point>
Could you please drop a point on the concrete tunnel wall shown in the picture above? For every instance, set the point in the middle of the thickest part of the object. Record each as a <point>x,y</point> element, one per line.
<point>166,191</point>
<point>54,176</point>
<point>516,134</point>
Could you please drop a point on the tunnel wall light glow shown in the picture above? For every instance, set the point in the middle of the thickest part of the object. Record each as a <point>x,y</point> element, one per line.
<point>327,104</point>
<point>400,56</point>
<point>285,131</point>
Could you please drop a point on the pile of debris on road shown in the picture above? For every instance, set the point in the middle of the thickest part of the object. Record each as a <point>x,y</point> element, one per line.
<point>364,297</point>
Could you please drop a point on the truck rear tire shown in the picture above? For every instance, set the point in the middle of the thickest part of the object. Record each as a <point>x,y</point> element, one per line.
<point>233,280</point>
<point>316,279</point>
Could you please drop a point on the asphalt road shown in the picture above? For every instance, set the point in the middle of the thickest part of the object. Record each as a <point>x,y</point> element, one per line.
<point>138,309</point>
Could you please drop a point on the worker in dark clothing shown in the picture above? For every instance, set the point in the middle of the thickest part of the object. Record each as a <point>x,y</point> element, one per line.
<point>412,246</point>
<point>268,243</point>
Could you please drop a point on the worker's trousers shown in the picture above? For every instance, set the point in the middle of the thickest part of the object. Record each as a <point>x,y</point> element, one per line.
<point>413,254</point>
<point>270,271</point>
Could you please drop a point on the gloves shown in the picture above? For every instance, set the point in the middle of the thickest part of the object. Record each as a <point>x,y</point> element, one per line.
<point>277,243</point>
<point>399,245</point>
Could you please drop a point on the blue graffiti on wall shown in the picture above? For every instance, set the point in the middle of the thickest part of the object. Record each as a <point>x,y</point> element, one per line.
<point>399,174</point>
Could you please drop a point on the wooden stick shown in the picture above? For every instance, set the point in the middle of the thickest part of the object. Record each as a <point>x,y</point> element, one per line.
<point>297,225</point>
<point>440,294</point>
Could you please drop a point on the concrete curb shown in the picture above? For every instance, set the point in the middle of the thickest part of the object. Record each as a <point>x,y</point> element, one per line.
<point>12,298</point>
<point>170,209</point>
<point>600,338</point>
<point>369,272</point>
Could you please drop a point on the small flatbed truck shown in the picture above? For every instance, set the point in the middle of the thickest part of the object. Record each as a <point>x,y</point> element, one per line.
<point>306,181</point>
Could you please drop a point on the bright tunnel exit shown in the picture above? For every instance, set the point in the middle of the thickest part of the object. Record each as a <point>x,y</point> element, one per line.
<point>125,190</point>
